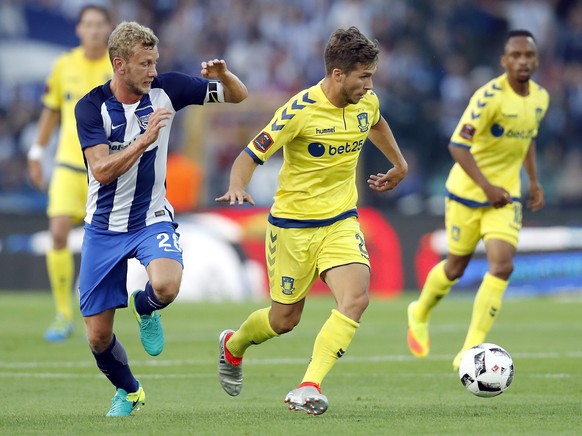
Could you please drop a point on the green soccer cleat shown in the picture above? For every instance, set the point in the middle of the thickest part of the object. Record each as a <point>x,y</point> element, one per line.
<point>307,398</point>
<point>123,403</point>
<point>417,336</point>
<point>150,329</point>
<point>59,330</point>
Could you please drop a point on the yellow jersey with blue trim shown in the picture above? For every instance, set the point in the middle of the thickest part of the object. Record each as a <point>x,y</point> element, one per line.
<point>73,75</point>
<point>321,145</point>
<point>498,127</point>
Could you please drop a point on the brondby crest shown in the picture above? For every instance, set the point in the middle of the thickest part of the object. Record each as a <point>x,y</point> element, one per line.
<point>287,285</point>
<point>363,123</point>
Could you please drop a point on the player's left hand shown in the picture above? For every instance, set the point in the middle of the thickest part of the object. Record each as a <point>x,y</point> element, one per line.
<point>236,196</point>
<point>213,69</point>
<point>536,197</point>
<point>385,182</point>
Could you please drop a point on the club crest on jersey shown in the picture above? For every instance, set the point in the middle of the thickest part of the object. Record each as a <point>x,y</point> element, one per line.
<point>143,120</point>
<point>143,116</point>
<point>363,123</point>
<point>467,131</point>
<point>263,141</point>
<point>287,285</point>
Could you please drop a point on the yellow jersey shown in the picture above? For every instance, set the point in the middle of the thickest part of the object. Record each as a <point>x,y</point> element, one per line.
<point>73,76</point>
<point>321,145</point>
<point>497,126</point>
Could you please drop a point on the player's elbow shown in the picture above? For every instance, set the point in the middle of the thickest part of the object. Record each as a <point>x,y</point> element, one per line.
<point>237,95</point>
<point>103,177</point>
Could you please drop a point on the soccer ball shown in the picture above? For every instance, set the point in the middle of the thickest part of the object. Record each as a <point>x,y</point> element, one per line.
<point>486,370</point>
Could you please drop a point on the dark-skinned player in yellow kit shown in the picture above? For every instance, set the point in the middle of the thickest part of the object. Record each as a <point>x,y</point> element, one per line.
<point>493,140</point>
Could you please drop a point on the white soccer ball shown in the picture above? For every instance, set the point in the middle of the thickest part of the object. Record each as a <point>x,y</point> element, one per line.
<point>486,370</point>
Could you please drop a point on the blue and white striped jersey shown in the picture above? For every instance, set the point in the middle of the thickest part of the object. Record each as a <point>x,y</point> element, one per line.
<point>137,198</point>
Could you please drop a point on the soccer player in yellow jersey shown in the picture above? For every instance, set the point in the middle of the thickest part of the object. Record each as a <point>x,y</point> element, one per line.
<point>313,228</point>
<point>74,74</point>
<point>494,138</point>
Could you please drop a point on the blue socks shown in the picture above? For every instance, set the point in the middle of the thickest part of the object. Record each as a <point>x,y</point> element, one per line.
<point>146,302</point>
<point>113,363</point>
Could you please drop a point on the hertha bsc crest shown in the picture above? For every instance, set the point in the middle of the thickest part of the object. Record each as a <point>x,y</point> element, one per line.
<point>287,285</point>
<point>143,116</point>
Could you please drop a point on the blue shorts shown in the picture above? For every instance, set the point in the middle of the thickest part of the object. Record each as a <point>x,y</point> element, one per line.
<point>104,255</point>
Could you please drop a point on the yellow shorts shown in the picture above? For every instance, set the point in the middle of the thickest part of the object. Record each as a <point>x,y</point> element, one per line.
<point>295,257</point>
<point>467,225</point>
<point>67,195</point>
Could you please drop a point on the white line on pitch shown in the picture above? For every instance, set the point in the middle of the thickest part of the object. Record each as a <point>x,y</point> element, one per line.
<point>275,361</point>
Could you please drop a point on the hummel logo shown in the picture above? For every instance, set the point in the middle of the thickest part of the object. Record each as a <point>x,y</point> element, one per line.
<point>116,127</point>
<point>324,131</point>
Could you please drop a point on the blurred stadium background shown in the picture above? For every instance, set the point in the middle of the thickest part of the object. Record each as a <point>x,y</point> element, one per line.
<point>434,55</point>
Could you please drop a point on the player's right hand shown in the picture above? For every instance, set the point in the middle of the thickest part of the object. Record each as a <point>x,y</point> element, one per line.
<point>35,173</point>
<point>497,196</point>
<point>236,196</point>
<point>156,122</point>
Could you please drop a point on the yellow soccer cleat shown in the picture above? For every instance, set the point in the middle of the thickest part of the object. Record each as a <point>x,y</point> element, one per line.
<point>457,360</point>
<point>417,337</point>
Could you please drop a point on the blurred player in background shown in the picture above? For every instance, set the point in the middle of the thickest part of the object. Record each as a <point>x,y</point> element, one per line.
<point>313,228</point>
<point>494,138</point>
<point>124,128</point>
<point>74,74</point>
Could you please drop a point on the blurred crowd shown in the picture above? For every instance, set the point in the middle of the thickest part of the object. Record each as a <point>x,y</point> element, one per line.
<point>434,55</point>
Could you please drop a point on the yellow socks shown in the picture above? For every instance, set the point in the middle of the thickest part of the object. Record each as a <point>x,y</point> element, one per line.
<point>485,308</point>
<point>437,285</point>
<point>331,343</point>
<point>255,330</point>
<point>61,269</point>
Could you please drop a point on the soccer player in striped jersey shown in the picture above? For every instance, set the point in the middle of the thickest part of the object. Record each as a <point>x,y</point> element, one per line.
<point>493,140</point>
<point>124,127</point>
<point>74,74</point>
<point>313,228</point>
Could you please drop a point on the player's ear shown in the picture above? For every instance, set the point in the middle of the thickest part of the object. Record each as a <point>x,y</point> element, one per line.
<point>119,65</point>
<point>502,61</point>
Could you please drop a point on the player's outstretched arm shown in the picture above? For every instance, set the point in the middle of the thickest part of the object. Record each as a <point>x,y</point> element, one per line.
<point>383,139</point>
<point>235,90</point>
<point>240,175</point>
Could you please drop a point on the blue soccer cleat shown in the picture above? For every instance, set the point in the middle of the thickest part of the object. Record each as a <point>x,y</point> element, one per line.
<point>123,403</point>
<point>59,330</point>
<point>150,329</point>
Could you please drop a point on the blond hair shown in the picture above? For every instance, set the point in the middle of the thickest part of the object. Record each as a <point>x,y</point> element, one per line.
<point>128,36</point>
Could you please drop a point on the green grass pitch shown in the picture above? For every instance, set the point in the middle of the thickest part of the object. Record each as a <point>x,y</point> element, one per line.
<point>377,388</point>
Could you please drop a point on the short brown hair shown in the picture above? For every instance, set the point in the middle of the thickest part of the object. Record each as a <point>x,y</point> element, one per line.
<point>348,48</point>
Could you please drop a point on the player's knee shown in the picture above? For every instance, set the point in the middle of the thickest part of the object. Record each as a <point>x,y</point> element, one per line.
<point>354,306</point>
<point>99,340</point>
<point>60,240</point>
<point>166,290</point>
<point>502,270</point>
<point>454,271</point>
<point>285,324</point>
